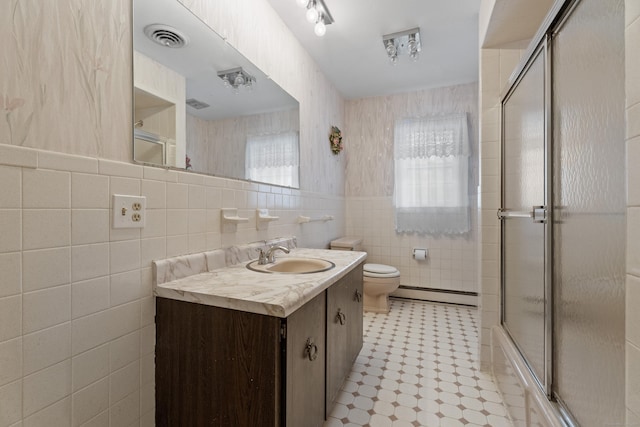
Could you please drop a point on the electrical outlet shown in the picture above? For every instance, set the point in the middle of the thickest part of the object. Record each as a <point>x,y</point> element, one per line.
<point>129,211</point>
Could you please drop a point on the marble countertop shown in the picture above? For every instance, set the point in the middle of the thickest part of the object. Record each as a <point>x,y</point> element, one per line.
<point>273,294</point>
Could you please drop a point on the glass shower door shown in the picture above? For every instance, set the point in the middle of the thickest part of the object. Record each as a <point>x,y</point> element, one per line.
<point>590,204</point>
<point>523,217</point>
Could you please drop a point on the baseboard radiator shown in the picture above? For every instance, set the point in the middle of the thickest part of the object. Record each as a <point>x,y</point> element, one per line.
<point>437,295</point>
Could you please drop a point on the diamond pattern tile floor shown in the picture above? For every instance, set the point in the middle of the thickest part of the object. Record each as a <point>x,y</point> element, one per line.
<point>418,368</point>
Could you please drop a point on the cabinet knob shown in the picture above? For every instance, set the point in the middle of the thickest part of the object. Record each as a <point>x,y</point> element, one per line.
<point>340,317</point>
<point>358,296</point>
<point>311,350</point>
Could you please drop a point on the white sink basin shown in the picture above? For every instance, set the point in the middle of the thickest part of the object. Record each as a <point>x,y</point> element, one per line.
<point>293,265</point>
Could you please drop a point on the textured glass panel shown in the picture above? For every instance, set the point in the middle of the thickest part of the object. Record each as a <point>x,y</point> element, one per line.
<point>523,240</point>
<point>589,195</point>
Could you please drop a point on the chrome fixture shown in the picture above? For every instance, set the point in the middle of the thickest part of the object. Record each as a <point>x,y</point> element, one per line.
<point>237,78</point>
<point>318,13</point>
<point>403,42</point>
<point>269,257</point>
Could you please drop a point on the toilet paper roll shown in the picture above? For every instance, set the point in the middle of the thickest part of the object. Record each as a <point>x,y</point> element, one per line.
<point>420,254</point>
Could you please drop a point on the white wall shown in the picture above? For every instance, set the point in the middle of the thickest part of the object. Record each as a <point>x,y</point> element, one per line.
<point>368,136</point>
<point>76,308</point>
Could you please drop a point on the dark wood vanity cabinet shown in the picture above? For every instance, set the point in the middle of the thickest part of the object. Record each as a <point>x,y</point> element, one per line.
<point>344,330</point>
<point>223,367</point>
<point>305,365</point>
<point>216,367</point>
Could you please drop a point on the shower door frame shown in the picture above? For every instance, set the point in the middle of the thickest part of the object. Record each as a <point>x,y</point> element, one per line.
<point>543,48</point>
<point>542,44</point>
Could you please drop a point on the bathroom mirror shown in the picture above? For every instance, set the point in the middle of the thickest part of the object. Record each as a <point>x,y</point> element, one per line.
<point>200,105</point>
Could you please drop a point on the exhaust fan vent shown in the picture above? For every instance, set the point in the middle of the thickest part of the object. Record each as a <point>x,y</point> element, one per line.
<point>166,36</point>
<point>198,105</point>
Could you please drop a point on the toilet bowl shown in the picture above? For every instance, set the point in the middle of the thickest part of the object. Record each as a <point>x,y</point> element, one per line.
<point>379,280</point>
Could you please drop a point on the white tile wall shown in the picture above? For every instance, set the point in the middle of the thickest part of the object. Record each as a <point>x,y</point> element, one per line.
<point>11,403</point>
<point>77,331</point>
<point>10,317</point>
<point>496,65</point>
<point>10,360</point>
<point>89,226</point>
<point>58,414</point>
<point>89,261</point>
<point>45,308</point>
<point>46,189</point>
<point>89,191</point>
<point>46,347</point>
<point>90,401</point>
<point>10,230</point>
<point>47,386</point>
<point>46,228</point>
<point>632,83</point>
<point>11,273</point>
<point>10,194</point>
<point>90,296</point>
<point>452,262</point>
<point>45,268</point>
<point>90,366</point>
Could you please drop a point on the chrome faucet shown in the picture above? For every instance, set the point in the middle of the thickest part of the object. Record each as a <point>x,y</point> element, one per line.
<point>262,258</point>
<point>270,256</point>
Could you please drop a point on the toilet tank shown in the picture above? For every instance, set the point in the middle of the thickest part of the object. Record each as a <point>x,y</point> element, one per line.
<point>347,244</point>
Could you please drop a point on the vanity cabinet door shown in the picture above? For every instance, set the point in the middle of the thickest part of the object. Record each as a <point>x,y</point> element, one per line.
<point>338,321</point>
<point>355,307</point>
<point>216,367</point>
<point>344,330</point>
<point>305,358</point>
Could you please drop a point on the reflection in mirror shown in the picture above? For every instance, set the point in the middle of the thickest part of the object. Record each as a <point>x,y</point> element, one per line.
<point>198,98</point>
<point>155,144</point>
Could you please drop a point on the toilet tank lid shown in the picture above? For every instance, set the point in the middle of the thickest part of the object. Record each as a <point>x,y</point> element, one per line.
<point>346,242</point>
<point>379,268</point>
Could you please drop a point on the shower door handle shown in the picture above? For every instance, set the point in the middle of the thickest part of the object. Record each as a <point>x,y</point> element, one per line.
<point>537,213</point>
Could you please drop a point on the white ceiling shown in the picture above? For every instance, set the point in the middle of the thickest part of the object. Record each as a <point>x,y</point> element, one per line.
<point>352,55</point>
<point>512,23</point>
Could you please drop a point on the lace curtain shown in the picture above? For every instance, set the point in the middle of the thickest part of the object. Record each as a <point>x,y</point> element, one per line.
<point>431,175</point>
<point>273,158</point>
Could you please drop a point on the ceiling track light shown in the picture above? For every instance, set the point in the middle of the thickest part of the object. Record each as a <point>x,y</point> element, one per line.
<point>317,14</point>
<point>236,79</point>
<point>403,42</point>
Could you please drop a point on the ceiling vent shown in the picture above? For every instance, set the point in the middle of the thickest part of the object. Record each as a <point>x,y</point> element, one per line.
<point>198,105</point>
<point>166,36</point>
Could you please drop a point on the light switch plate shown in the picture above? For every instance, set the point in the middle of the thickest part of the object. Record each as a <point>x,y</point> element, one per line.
<point>129,211</point>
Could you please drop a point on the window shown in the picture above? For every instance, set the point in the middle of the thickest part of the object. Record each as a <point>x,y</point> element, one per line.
<point>432,175</point>
<point>273,159</point>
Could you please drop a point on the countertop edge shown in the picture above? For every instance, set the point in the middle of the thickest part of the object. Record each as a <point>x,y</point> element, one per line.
<point>291,300</point>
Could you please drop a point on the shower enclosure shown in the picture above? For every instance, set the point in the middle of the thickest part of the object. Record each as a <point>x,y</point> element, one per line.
<point>563,211</point>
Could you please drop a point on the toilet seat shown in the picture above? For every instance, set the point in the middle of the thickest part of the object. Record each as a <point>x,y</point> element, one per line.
<point>380,271</point>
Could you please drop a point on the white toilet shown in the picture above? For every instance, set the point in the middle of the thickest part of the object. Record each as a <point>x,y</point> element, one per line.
<point>379,280</point>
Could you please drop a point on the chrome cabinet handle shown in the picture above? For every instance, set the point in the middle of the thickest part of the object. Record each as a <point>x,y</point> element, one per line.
<point>311,350</point>
<point>340,317</point>
<point>358,296</point>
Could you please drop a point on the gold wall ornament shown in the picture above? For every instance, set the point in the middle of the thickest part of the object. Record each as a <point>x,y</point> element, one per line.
<point>335,138</point>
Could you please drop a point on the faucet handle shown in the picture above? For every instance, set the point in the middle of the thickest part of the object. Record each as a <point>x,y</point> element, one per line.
<point>262,258</point>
